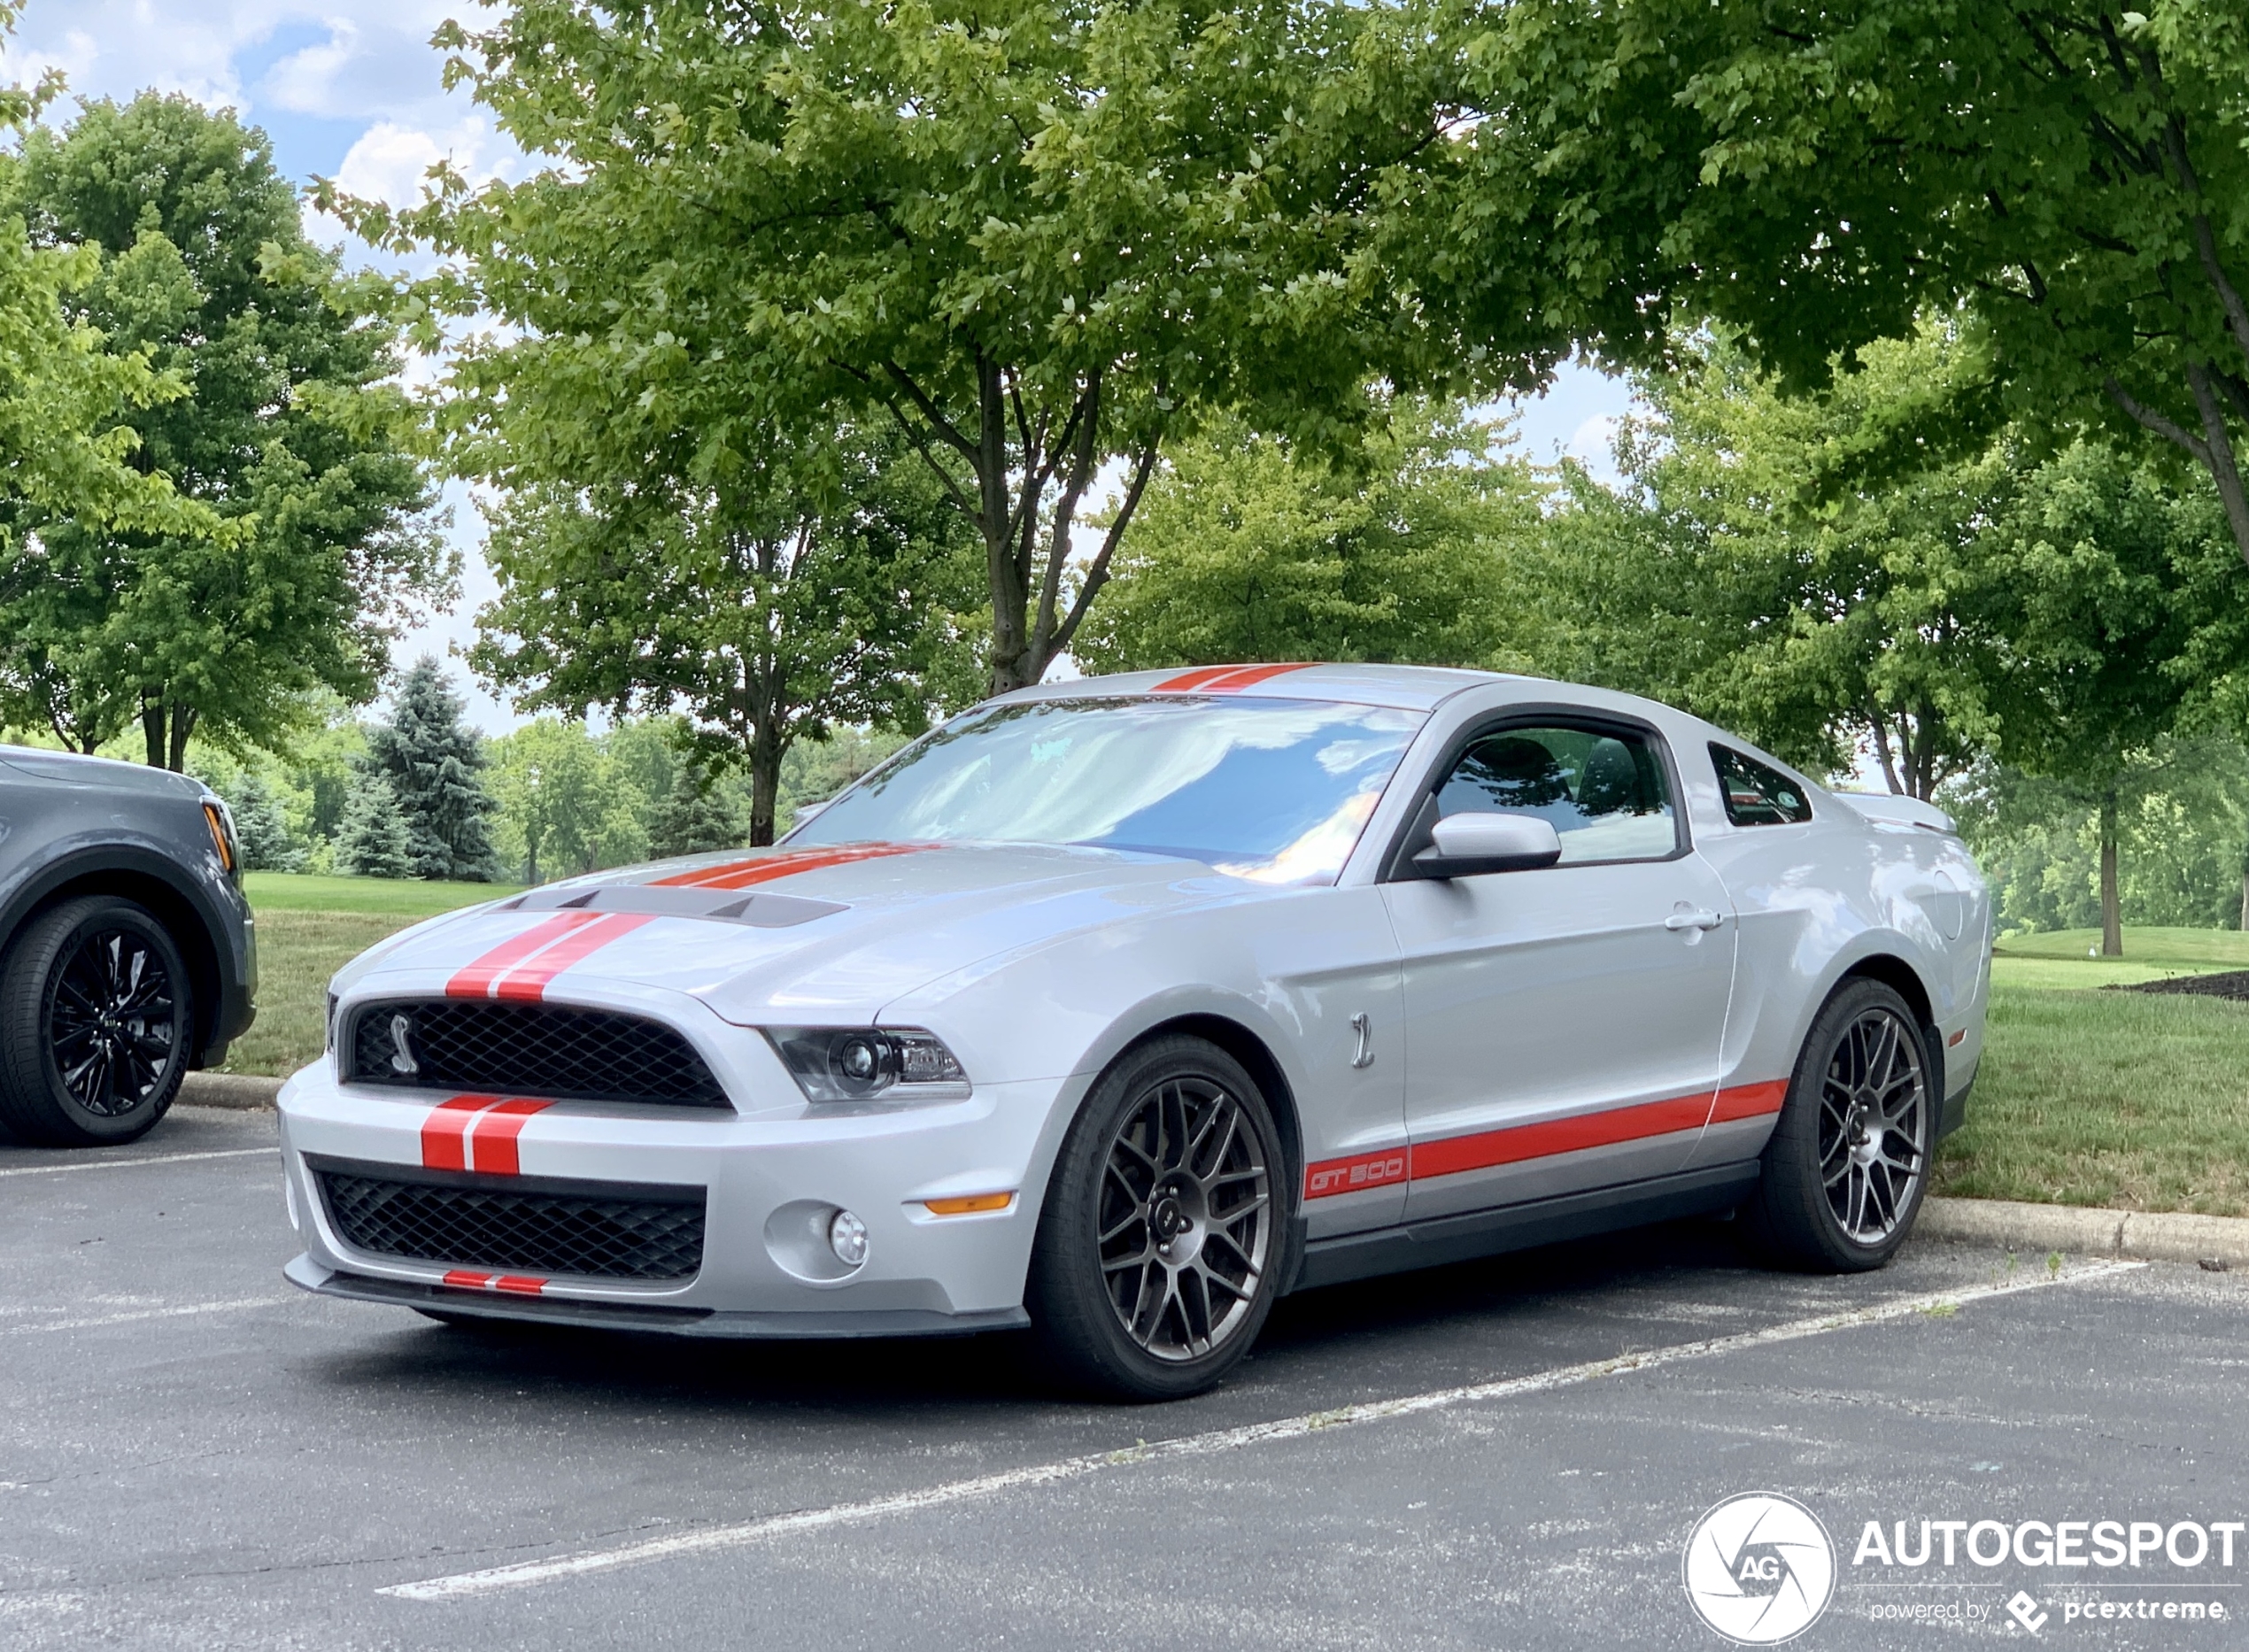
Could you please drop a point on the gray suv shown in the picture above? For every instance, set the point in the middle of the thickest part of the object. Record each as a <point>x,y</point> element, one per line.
<point>126,953</point>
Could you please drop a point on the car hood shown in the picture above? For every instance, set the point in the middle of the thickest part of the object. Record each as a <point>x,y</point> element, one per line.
<point>105,772</point>
<point>821,936</point>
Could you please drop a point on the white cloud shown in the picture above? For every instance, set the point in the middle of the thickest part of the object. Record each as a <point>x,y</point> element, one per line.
<point>391,163</point>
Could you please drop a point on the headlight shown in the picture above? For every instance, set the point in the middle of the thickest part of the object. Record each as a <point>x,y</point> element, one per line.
<point>854,1063</point>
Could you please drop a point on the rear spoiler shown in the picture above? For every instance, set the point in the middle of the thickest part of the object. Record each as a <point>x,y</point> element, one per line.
<point>1885,808</point>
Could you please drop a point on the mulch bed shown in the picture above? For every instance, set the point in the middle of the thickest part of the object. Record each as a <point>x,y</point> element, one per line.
<point>2233,984</point>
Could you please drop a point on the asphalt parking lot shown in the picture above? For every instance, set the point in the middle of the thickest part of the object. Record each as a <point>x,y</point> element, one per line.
<point>194,1456</point>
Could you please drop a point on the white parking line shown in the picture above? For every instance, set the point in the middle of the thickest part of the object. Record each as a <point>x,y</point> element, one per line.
<point>182,1312</point>
<point>525,1573</point>
<point>154,1158</point>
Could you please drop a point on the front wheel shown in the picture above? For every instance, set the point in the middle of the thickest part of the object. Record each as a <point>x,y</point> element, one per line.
<point>1848,1164</point>
<point>96,1024</point>
<point>1163,1240</point>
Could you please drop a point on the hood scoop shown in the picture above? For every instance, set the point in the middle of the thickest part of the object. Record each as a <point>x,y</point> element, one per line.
<point>758,911</point>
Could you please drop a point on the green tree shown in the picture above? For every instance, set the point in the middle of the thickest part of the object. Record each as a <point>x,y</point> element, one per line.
<point>261,830</point>
<point>697,815</point>
<point>1248,547</point>
<point>374,840</point>
<point>1752,567</point>
<point>807,586</point>
<point>2073,172</point>
<point>562,811</point>
<point>436,764</point>
<point>288,433</point>
<point>1040,234</point>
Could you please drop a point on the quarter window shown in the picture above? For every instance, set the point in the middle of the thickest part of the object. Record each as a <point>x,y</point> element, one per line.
<point>1605,791</point>
<point>1758,794</point>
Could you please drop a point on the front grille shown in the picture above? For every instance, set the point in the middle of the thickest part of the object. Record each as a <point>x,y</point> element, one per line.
<point>528,1049</point>
<point>594,1230</point>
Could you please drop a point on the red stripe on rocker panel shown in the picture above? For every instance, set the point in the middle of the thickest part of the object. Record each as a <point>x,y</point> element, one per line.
<point>1518,1142</point>
<point>493,1133</point>
<point>527,983</point>
<point>474,980</point>
<point>1748,1100</point>
<point>1356,1174</point>
<point>444,1133</point>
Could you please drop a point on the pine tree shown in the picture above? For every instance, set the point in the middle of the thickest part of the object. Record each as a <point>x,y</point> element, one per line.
<point>373,840</point>
<point>698,815</point>
<point>435,764</point>
<point>262,831</point>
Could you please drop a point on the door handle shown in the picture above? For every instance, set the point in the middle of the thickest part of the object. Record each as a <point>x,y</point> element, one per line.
<point>1694,918</point>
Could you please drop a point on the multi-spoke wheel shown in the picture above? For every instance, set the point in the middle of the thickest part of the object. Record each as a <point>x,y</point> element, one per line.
<point>1847,1165</point>
<point>1165,1233</point>
<point>94,1024</point>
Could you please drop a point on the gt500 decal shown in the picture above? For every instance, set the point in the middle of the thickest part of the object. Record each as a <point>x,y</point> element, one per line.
<point>1347,1176</point>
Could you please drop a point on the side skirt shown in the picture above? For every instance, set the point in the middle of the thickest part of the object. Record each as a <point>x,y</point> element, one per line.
<point>1522,1227</point>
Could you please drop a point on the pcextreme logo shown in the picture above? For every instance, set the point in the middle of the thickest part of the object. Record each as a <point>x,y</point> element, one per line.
<point>1760,1569</point>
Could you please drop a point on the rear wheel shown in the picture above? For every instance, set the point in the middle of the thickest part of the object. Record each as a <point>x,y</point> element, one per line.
<point>1163,1240</point>
<point>1847,1167</point>
<point>96,1023</point>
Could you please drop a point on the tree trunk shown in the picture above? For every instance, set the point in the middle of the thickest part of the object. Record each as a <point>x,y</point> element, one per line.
<point>182,725</point>
<point>152,730</point>
<point>2245,896</point>
<point>2111,919</point>
<point>765,784</point>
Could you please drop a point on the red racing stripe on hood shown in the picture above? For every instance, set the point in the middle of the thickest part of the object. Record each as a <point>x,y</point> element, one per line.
<point>766,868</point>
<point>474,980</point>
<point>527,983</point>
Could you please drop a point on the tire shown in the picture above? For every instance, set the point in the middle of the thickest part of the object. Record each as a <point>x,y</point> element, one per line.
<point>1847,1166</point>
<point>97,1025</point>
<point>1165,1236</point>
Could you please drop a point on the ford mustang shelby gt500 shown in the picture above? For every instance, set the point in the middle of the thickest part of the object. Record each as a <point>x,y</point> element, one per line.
<point>1117,1008</point>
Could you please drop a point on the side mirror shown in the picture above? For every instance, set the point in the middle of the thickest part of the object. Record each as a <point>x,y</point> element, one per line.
<point>1466,846</point>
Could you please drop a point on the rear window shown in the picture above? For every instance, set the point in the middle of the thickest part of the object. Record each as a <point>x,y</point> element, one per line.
<point>1758,794</point>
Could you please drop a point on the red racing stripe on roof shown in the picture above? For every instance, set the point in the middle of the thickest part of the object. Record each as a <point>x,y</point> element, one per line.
<point>474,979</point>
<point>492,1136</point>
<point>1223,679</point>
<point>766,868</point>
<point>527,983</point>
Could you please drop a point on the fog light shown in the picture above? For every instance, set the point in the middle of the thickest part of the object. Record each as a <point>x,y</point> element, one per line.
<point>847,1238</point>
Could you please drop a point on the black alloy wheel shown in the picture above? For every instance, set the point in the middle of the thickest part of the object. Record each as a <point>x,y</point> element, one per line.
<point>1164,1237</point>
<point>96,1024</point>
<point>1847,1166</point>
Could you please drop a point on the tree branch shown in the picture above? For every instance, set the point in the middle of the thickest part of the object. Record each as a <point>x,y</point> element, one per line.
<point>1097,571</point>
<point>2155,421</point>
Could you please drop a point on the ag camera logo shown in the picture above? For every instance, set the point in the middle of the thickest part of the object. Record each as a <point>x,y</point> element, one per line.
<point>1760,1569</point>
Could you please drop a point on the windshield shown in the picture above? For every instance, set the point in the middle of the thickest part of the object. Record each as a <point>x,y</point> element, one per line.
<point>1276,790</point>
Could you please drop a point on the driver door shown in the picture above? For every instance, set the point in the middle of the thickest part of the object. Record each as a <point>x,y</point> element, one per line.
<point>1563,1025</point>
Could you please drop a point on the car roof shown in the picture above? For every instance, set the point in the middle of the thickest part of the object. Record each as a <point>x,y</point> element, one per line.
<point>1404,688</point>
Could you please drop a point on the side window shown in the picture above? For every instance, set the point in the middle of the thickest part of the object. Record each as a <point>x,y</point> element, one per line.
<point>1755,794</point>
<point>1605,792</point>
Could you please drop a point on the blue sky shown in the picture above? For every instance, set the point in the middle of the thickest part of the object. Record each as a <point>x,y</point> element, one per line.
<point>351,89</point>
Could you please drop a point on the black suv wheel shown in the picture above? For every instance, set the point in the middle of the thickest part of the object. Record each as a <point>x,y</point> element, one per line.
<point>96,1024</point>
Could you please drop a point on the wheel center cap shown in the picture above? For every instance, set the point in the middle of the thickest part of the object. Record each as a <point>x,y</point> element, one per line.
<point>1169,1219</point>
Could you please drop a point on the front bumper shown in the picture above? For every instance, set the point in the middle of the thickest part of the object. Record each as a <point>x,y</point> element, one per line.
<point>766,1177</point>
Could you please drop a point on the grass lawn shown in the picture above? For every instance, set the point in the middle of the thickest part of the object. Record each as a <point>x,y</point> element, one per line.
<point>308,928</point>
<point>2118,1099</point>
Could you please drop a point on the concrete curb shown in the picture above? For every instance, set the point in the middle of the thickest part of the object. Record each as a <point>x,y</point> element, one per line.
<point>234,1089</point>
<point>2080,1230</point>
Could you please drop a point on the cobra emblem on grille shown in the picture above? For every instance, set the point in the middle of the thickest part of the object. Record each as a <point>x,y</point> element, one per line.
<point>401,1049</point>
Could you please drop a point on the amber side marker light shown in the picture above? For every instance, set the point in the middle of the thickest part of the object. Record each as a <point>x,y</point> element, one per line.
<point>211,818</point>
<point>969,1205</point>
